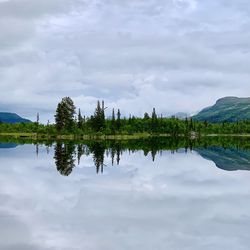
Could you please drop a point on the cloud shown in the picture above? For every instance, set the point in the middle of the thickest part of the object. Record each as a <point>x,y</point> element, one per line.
<point>106,50</point>
<point>32,9</point>
<point>189,4</point>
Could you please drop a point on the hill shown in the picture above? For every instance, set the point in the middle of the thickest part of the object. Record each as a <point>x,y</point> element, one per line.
<point>12,118</point>
<point>230,109</point>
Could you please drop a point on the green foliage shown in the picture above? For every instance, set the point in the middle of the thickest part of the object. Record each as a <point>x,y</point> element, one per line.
<point>146,116</point>
<point>64,116</point>
<point>118,121</point>
<point>98,119</point>
<point>81,120</point>
<point>113,121</point>
<point>68,124</point>
<point>154,122</point>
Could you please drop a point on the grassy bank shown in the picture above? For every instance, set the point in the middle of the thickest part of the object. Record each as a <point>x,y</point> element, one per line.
<point>35,136</point>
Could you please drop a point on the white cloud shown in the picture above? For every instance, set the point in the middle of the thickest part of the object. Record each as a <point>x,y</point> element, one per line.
<point>103,49</point>
<point>189,4</point>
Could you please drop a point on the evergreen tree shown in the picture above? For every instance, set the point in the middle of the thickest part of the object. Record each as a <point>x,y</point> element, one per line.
<point>146,116</point>
<point>186,126</point>
<point>98,120</point>
<point>130,119</point>
<point>103,113</point>
<point>191,124</point>
<point>65,112</point>
<point>80,120</point>
<point>37,118</point>
<point>113,122</point>
<point>118,120</point>
<point>154,121</point>
<point>37,121</point>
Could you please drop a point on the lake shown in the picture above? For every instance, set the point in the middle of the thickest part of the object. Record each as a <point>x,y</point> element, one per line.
<point>143,194</point>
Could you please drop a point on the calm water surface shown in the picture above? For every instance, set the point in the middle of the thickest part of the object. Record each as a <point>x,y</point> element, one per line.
<point>190,199</point>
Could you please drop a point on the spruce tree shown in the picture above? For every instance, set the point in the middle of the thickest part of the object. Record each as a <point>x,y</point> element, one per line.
<point>154,121</point>
<point>103,114</point>
<point>191,125</point>
<point>118,120</point>
<point>37,121</point>
<point>37,118</point>
<point>186,126</point>
<point>80,119</point>
<point>64,116</point>
<point>113,122</point>
<point>98,120</point>
<point>146,116</point>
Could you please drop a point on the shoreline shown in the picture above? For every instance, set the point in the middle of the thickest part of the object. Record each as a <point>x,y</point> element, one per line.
<point>35,136</point>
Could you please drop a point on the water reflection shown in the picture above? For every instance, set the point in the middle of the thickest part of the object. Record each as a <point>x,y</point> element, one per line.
<point>98,151</point>
<point>184,199</point>
<point>65,157</point>
<point>227,156</point>
<point>8,145</point>
<point>227,153</point>
<point>229,159</point>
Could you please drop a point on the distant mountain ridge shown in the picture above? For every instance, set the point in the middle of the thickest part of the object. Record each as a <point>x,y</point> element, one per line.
<point>182,115</point>
<point>227,109</point>
<point>6,117</point>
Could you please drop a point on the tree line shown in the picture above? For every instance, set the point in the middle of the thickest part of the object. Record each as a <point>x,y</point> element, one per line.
<point>70,120</point>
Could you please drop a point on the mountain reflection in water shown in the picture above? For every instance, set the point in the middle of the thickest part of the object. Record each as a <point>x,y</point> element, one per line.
<point>229,154</point>
<point>229,159</point>
<point>8,145</point>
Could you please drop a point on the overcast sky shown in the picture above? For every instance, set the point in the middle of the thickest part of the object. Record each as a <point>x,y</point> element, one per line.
<point>175,55</point>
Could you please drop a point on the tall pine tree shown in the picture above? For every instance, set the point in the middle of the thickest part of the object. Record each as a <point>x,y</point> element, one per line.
<point>118,120</point>
<point>154,122</point>
<point>64,116</point>
<point>98,119</point>
<point>80,120</point>
<point>113,122</point>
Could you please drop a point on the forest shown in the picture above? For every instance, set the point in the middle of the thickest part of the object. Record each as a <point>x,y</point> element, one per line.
<point>70,121</point>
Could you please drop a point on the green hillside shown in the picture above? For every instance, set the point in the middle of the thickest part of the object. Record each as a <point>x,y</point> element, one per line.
<point>230,109</point>
<point>12,118</point>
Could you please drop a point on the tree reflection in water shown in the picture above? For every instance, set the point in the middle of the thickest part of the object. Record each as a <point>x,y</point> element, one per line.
<point>68,153</point>
<point>65,157</point>
<point>98,151</point>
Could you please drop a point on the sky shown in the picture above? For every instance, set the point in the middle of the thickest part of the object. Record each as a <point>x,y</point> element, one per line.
<point>174,55</point>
